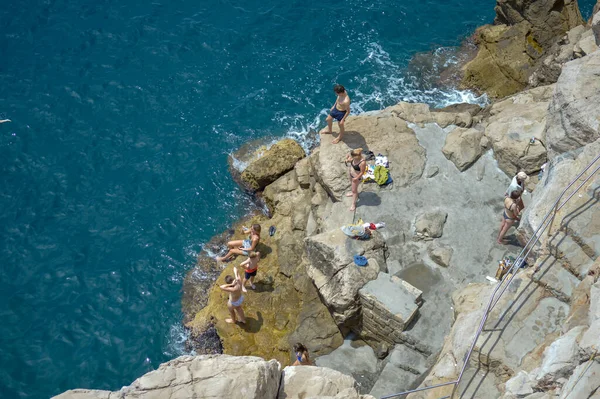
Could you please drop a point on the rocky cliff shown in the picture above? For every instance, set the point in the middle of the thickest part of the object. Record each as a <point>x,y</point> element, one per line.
<point>407,317</point>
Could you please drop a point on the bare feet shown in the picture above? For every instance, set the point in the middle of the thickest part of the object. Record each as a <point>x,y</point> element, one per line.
<point>349,194</point>
<point>244,289</point>
<point>253,287</point>
<point>335,141</point>
<point>352,208</point>
<point>324,132</point>
<point>230,321</point>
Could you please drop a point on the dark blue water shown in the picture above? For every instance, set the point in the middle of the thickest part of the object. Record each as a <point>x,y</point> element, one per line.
<point>114,167</point>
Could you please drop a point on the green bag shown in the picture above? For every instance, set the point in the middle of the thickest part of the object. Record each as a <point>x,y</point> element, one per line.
<point>381,175</point>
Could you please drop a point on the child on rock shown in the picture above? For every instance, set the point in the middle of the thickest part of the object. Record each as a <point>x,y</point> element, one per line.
<point>251,266</point>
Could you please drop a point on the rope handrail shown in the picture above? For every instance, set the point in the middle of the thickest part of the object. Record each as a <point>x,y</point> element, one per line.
<point>506,280</point>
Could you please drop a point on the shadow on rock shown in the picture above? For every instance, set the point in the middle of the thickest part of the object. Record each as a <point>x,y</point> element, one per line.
<point>368,199</point>
<point>253,325</point>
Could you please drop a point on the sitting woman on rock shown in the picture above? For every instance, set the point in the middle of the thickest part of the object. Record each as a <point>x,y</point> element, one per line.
<point>301,355</point>
<point>243,247</point>
<point>356,170</point>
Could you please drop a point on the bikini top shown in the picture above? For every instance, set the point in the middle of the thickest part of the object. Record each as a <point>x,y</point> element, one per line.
<point>356,167</point>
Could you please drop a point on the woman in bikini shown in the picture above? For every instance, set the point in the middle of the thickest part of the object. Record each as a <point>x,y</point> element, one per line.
<point>301,355</point>
<point>356,170</point>
<point>243,247</point>
<point>511,213</point>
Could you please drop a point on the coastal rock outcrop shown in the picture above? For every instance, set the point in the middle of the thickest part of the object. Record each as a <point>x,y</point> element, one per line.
<point>273,163</point>
<point>206,376</point>
<point>386,133</point>
<point>223,376</point>
<point>317,382</point>
<point>574,117</point>
<point>512,49</point>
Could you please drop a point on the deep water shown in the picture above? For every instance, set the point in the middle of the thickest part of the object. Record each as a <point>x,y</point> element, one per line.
<point>114,167</point>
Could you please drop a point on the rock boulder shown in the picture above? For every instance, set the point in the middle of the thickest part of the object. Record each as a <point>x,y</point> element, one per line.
<point>273,163</point>
<point>463,147</point>
<point>207,376</point>
<point>574,117</point>
<point>431,224</point>
<point>314,382</point>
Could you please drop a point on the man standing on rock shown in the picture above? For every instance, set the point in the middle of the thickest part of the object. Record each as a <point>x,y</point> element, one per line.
<point>339,111</point>
<point>234,287</point>
<point>518,184</point>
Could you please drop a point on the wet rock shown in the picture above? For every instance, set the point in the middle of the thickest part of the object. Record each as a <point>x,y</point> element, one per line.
<point>431,224</point>
<point>463,147</point>
<point>573,117</point>
<point>273,163</point>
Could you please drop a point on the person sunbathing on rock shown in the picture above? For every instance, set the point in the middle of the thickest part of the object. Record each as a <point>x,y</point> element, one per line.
<point>233,285</point>
<point>243,247</point>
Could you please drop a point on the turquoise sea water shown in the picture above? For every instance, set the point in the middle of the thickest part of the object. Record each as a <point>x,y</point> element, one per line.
<point>114,167</point>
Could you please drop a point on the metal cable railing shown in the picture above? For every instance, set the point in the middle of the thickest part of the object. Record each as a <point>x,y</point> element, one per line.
<point>510,275</point>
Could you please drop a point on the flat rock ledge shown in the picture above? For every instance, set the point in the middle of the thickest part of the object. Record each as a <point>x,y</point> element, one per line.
<point>224,376</point>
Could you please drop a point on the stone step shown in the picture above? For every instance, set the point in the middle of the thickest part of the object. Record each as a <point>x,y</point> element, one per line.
<point>555,277</point>
<point>402,369</point>
<point>388,306</point>
<point>573,252</point>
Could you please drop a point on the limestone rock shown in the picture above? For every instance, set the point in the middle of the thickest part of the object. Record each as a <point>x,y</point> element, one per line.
<point>560,358</point>
<point>383,133</point>
<point>431,224</point>
<point>512,124</point>
<point>586,45</point>
<point>84,394</point>
<point>573,118</point>
<point>444,119</point>
<point>432,171</point>
<point>312,382</point>
<point>583,220</point>
<point>596,24</point>
<point>463,147</point>
<point>555,277</point>
<point>204,376</point>
<point>404,366</point>
<point>584,381</point>
<point>441,254</point>
<point>580,305</point>
<point>334,273</point>
<point>412,112</point>
<point>520,385</point>
<point>274,162</point>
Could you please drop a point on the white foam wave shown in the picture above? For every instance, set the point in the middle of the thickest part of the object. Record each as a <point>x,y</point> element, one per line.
<point>176,339</point>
